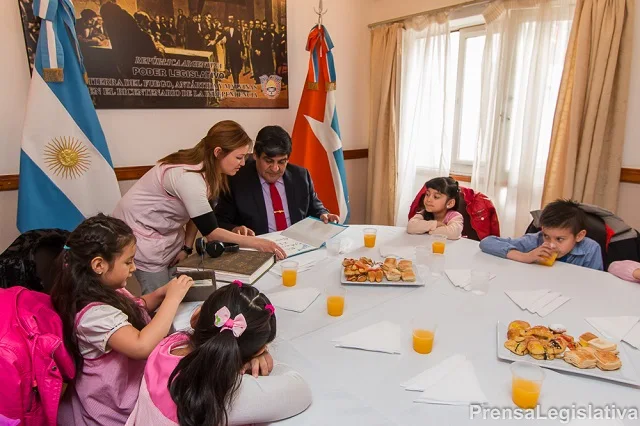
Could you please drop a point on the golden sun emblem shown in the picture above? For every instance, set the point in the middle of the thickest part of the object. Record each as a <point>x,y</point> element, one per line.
<point>67,157</point>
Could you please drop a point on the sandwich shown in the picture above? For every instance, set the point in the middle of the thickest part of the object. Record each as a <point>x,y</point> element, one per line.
<point>606,360</point>
<point>602,345</point>
<point>393,275</point>
<point>408,275</point>
<point>581,358</point>
<point>586,337</point>
<point>405,265</point>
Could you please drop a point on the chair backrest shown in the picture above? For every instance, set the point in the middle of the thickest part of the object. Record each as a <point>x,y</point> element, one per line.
<point>28,260</point>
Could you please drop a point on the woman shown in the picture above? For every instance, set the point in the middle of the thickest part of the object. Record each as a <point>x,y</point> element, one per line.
<point>175,193</point>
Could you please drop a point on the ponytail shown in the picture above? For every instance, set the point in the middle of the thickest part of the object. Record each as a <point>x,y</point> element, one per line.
<point>205,382</point>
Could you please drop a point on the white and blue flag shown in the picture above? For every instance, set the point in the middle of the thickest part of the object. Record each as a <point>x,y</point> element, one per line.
<point>66,173</point>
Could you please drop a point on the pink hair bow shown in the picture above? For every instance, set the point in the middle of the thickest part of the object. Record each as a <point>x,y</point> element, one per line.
<point>223,319</point>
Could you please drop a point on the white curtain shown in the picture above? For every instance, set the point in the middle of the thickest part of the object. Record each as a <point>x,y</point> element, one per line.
<point>522,68</point>
<point>425,108</point>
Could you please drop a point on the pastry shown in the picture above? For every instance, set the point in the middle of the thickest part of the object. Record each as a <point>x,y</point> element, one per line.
<point>606,360</point>
<point>518,348</point>
<point>391,262</point>
<point>586,337</point>
<point>540,332</point>
<point>408,276</point>
<point>393,275</point>
<point>516,334</point>
<point>371,276</point>
<point>558,328</point>
<point>580,358</point>
<point>366,261</point>
<point>362,278</point>
<point>538,350</point>
<point>602,345</point>
<point>348,262</point>
<point>556,346</point>
<point>379,275</point>
<point>571,344</point>
<point>405,265</point>
<point>519,324</point>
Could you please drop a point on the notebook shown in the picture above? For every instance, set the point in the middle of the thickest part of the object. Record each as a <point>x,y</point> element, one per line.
<point>307,235</point>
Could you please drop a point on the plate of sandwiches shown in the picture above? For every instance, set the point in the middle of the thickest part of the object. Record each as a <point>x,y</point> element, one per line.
<point>552,347</point>
<point>389,272</point>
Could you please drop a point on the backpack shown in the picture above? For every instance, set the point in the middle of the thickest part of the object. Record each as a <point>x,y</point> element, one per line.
<point>479,213</point>
<point>34,362</point>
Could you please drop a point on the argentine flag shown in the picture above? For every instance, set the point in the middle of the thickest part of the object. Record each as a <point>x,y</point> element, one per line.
<point>66,173</point>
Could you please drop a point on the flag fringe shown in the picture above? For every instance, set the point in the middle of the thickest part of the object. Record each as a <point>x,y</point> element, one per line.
<point>53,75</point>
<point>331,86</point>
<point>312,85</point>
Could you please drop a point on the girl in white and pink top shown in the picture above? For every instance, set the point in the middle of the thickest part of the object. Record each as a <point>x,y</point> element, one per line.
<point>197,379</point>
<point>439,216</point>
<point>108,331</point>
<point>627,270</point>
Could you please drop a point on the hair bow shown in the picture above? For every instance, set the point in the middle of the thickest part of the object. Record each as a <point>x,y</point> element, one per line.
<point>223,319</point>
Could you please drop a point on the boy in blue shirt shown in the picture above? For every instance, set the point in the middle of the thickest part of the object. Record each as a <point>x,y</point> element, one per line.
<point>563,232</point>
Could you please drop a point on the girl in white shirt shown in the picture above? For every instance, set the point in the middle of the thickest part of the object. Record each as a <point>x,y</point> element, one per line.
<point>198,379</point>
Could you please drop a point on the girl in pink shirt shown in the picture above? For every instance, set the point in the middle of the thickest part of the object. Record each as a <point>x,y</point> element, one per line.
<point>626,269</point>
<point>108,330</point>
<point>439,215</point>
<point>198,379</point>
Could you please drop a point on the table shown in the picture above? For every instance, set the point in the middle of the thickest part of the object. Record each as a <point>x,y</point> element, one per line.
<point>352,387</point>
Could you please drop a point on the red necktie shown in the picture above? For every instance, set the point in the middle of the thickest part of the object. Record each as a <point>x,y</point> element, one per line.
<point>278,210</point>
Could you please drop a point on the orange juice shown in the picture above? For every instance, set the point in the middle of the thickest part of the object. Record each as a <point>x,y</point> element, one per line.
<point>423,341</point>
<point>438,247</point>
<point>335,305</point>
<point>525,393</point>
<point>370,240</point>
<point>289,278</point>
<point>549,261</point>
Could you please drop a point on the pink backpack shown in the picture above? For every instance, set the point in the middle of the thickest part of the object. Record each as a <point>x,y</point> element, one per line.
<point>33,360</point>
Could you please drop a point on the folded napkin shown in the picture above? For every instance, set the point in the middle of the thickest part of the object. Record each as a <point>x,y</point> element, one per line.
<point>541,302</point>
<point>295,299</point>
<point>461,277</point>
<point>403,252</point>
<point>434,374</point>
<point>546,310</point>
<point>633,337</point>
<point>615,328</point>
<point>182,319</point>
<point>383,336</point>
<point>451,382</point>
<point>526,298</point>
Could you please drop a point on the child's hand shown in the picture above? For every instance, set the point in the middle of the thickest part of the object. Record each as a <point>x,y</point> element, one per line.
<point>539,254</point>
<point>636,274</point>
<point>259,366</point>
<point>177,288</point>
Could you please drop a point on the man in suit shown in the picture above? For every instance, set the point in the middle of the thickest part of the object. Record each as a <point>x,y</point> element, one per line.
<point>235,50</point>
<point>269,194</point>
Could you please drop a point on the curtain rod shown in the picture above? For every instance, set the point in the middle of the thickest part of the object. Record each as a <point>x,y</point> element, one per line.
<point>429,12</point>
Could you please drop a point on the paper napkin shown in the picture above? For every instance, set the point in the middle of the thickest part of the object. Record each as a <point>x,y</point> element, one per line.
<point>613,327</point>
<point>295,299</point>
<point>383,336</point>
<point>461,277</point>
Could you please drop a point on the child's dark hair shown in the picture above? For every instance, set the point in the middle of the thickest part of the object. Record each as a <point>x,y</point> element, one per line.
<point>563,214</point>
<point>204,383</point>
<point>445,185</point>
<point>76,284</point>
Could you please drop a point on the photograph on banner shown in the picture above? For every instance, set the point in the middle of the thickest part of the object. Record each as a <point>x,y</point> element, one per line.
<point>179,53</point>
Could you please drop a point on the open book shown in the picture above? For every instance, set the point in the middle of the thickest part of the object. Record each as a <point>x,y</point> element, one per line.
<point>307,235</point>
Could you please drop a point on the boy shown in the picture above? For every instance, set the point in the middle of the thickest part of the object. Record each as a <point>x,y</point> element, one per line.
<point>563,232</point>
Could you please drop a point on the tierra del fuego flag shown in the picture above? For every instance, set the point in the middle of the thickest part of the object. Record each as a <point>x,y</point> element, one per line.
<point>316,134</point>
<point>66,173</point>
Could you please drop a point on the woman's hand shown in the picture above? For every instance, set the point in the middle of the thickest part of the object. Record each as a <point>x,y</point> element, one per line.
<point>182,255</point>
<point>262,244</point>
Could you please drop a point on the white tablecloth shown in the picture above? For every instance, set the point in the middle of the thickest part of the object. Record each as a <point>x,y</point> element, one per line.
<point>352,387</point>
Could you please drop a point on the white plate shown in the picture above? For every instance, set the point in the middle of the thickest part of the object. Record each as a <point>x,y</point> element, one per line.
<point>626,374</point>
<point>419,282</point>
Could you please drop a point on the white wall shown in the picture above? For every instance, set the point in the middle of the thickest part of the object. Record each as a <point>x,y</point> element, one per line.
<point>140,137</point>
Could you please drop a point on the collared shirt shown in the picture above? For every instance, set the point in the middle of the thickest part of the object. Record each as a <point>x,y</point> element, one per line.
<point>586,253</point>
<point>266,192</point>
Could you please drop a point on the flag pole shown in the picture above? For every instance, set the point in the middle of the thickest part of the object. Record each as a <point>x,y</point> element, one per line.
<point>320,12</point>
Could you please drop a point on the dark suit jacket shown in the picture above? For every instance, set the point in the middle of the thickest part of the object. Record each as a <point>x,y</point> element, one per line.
<point>235,48</point>
<point>244,203</point>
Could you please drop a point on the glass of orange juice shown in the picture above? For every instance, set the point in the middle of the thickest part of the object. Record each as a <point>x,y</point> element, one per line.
<point>438,244</point>
<point>289,273</point>
<point>370,237</point>
<point>549,261</point>
<point>335,300</point>
<point>424,333</point>
<point>526,382</point>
